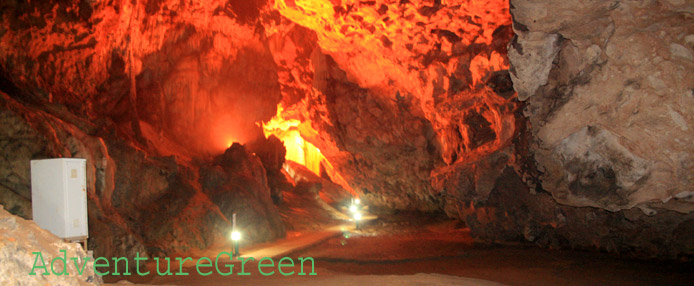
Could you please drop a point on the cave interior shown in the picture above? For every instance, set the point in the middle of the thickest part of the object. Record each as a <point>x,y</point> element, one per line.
<point>523,142</point>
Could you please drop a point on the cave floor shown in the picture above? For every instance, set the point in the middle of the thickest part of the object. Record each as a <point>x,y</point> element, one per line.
<point>415,249</point>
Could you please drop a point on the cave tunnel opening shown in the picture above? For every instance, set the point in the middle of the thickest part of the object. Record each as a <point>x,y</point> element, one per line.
<point>473,142</point>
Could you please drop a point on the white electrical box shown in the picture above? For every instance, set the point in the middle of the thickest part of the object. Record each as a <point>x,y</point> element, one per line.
<point>59,196</point>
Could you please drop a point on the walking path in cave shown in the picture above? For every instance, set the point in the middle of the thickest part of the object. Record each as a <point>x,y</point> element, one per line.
<point>280,248</point>
<point>416,249</point>
<point>293,243</point>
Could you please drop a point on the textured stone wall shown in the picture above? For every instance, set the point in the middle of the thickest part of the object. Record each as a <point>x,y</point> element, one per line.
<point>609,91</point>
<point>21,240</point>
<point>395,90</point>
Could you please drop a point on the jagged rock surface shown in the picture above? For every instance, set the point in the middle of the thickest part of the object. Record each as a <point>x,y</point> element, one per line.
<point>20,239</point>
<point>609,91</point>
<point>389,84</point>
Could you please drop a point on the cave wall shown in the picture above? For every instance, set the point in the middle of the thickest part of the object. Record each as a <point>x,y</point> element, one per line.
<point>608,87</point>
<point>394,90</point>
<point>151,93</point>
<point>137,201</point>
<point>158,69</point>
<point>588,154</point>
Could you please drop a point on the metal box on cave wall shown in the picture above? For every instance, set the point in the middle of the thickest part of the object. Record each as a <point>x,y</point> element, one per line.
<point>59,196</point>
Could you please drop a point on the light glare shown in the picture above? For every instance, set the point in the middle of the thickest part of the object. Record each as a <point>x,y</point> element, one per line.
<point>235,235</point>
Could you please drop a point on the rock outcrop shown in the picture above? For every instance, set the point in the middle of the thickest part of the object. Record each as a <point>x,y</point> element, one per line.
<point>21,242</point>
<point>609,92</point>
<point>236,182</point>
<point>396,89</point>
<point>599,138</point>
<point>314,202</point>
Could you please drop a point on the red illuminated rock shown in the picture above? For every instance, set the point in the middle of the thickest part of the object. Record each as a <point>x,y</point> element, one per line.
<point>392,84</point>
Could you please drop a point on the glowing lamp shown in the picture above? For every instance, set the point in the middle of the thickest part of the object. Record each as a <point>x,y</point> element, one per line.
<point>357,201</point>
<point>353,208</point>
<point>357,216</point>
<point>235,236</point>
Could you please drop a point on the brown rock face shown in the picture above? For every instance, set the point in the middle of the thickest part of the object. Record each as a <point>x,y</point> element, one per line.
<point>608,87</point>
<point>156,68</point>
<point>20,242</point>
<point>139,202</point>
<point>608,100</point>
<point>237,182</point>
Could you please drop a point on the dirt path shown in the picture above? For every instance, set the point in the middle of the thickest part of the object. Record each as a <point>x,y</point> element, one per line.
<point>420,250</point>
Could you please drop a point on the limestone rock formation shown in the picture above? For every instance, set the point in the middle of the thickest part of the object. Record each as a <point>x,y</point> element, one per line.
<point>396,89</point>
<point>272,152</point>
<point>146,92</point>
<point>21,239</point>
<point>237,183</point>
<point>609,95</point>
<point>608,89</point>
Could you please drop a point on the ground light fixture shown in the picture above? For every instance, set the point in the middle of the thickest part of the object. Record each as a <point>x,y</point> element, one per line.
<point>235,235</point>
<point>235,238</point>
<point>357,218</point>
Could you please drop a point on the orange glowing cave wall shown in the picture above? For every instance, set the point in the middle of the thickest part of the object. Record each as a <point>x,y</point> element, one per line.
<point>288,128</point>
<point>216,86</point>
<point>381,74</point>
<point>215,81</point>
<point>298,149</point>
<point>385,40</point>
<point>440,52</point>
<point>389,46</point>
